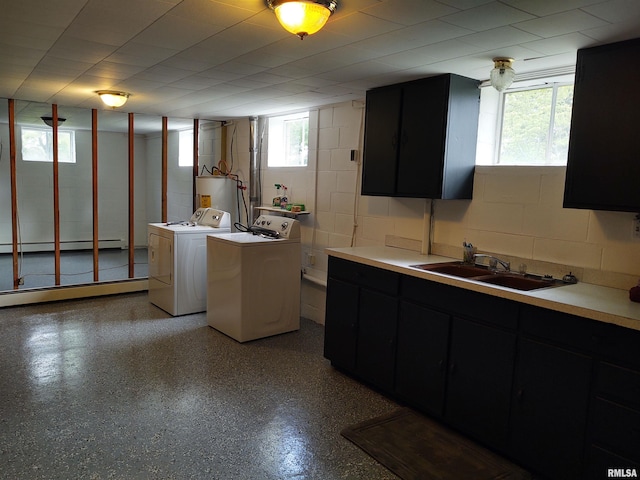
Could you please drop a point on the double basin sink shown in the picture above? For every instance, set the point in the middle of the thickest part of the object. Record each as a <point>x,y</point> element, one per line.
<point>482,274</point>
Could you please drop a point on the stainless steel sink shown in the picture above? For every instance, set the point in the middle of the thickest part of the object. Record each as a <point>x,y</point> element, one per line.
<point>519,282</point>
<point>457,269</point>
<point>483,274</point>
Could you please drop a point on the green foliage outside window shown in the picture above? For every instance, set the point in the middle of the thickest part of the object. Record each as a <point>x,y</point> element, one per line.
<point>535,126</point>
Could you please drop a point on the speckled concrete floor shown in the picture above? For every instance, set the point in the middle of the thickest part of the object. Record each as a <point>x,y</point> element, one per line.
<point>116,388</point>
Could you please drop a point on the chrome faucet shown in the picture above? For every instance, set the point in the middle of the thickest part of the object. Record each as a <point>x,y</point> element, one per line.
<point>493,262</point>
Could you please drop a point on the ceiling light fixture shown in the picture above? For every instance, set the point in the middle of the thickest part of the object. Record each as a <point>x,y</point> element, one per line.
<point>303,17</point>
<point>502,74</point>
<point>113,98</point>
<point>49,120</point>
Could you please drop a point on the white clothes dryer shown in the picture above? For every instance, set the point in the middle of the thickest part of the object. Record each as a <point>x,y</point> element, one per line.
<point>253,279</point>
<point>178,261</point>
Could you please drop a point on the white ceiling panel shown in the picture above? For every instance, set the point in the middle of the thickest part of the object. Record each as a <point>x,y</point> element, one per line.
<point>486,17</point>
<point>409,12</point>
<point>227,58</point>
<point>561,23</point>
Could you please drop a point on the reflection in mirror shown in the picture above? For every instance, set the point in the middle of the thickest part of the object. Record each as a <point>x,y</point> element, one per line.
<point>34,172</point>
<point>113,193</point>
<point>6,258</point>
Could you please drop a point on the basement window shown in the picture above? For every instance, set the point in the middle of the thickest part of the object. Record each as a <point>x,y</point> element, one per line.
<point>288,140</point>
<point>534,125</point>
<point>37,145</point>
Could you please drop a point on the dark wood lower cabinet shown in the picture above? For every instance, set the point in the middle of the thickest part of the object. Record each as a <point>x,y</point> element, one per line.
<point>557,393</point>
<point>602,462</point>
<point>551,395</point>
<point>421,356</point>
<point>375,357</point>
<point>480,374</point>
<point>340,328</point>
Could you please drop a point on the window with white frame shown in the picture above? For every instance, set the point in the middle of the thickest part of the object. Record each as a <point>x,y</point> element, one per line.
<point>185,148</point>
<point>37,145</point>
<point>534,125</point>
<point>288,140</point>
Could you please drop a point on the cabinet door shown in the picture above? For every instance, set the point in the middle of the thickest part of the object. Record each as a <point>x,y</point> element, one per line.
<point>422,139</point>
<point>377,320</point>
<point>480,376</point>
<point>549,415</point>
<point>382,119</point>
<point>604,145</point>
<point>421,358</point>
<point>340,330</point>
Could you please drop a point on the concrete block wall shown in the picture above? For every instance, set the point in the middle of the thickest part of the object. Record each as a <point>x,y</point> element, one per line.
<point>515,212</point>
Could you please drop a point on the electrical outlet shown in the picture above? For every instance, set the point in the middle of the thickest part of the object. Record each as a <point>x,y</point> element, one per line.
<point>311,258</point>
<point>21,281</point>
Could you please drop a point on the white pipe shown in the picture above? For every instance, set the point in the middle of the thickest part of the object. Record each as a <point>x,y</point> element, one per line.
<point>314,280</point>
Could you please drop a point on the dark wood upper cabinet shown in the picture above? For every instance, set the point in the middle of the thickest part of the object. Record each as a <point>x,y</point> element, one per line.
<point>420,138</point>
<point>603,165</point>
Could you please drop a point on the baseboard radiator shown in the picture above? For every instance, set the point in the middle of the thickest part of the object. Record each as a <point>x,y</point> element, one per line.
<point>67,245</point>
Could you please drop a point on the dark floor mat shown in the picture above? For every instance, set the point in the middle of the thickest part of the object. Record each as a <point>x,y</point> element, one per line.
<point>416,448</point>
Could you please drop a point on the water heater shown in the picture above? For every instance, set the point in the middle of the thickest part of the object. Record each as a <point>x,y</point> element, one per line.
<point>220,193</point>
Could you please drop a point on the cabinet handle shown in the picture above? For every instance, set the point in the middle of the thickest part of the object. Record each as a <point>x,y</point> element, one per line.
<point>452,368</point>
<point>520,394</point>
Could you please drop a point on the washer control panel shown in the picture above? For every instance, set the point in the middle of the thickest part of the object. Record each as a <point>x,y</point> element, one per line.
<point>287,228</point>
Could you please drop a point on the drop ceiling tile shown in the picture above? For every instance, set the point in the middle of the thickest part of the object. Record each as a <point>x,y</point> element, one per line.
<point>499,37</point>
<point>214,13</point>
<point>103,22</point>
<point>486,17</point>
<point>615,33</point>
<point>354,72</point>
<point>465,4</point>
<point>19,33</point>
<point>427,33</point>
<point>139,54</point>
<point>192,82</point>
<point>542,8</point>
<point>262,57</point>
<point>193,65</point>
<point>409,12</point>
<point>81,50</point>
<point>561,23</point>
<point>176,33</point>
<point>114,71</point>
<point>431,53</point>
<point>615,11</point>
<point>358,26</point>
<point>39,12</point>
<point>239,68</point>
<point>560,44</point>
<point>167,74</point>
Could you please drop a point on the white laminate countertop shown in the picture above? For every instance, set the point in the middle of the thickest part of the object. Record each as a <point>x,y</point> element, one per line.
<point>604,304</point>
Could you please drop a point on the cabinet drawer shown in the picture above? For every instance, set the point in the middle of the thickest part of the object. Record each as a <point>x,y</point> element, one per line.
<point>618,428</point>
<point>364,275</point>
<point>461,302</point>
<point>620,345</point>
<point>562,328</point>
<point>619,384</point>
<point>602,461</point>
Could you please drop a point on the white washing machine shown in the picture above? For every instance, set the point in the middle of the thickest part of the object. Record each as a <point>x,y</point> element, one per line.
<point>178,261</point>
<point>253,279</point>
